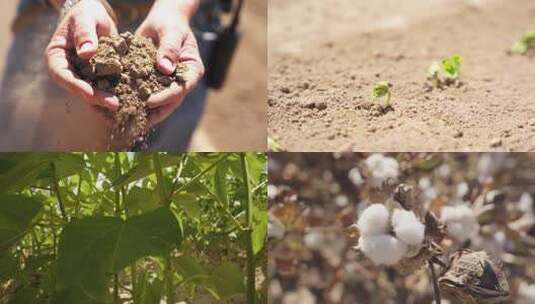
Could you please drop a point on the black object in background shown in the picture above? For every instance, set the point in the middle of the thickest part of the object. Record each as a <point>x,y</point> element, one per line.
<point>225,45</point>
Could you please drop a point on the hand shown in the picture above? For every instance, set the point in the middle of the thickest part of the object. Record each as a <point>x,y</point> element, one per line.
<point>80,29</point>
<point>168,26</point>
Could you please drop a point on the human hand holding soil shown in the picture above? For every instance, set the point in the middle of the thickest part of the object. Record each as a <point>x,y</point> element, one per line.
<point>168,26</point>
<point>80,29</point>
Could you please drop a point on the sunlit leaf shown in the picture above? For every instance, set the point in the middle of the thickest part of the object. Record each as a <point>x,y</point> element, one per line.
<point>92,249</point>
<point>17,212</point>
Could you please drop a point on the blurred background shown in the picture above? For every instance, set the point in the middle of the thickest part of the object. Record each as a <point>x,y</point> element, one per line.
<point>315,198</point>
<point>239,108</point>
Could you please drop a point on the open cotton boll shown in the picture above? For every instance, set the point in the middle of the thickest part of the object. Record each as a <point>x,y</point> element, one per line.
<point>382,168</point>
<point>525,204</point>
<point>382,249</point>
<point>461,222</point>
<point>373,220</point>
<point>407,227</point>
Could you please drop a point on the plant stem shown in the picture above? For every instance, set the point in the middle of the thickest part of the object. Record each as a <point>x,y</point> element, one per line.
<point>77,206</point>
<point>58,194</point>
<point>133,273</point>
<point>164,200</point>
<point>435,284</point>
<point>169,289</point>
<point>117,163</point>
<point>159,179</point>
<point>196,177</point>
<point>251,289</point>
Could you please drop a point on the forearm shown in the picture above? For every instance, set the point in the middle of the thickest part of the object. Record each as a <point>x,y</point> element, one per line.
<point>184,7</point>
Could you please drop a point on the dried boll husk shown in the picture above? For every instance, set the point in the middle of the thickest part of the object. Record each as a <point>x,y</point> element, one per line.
<point>474,277</point>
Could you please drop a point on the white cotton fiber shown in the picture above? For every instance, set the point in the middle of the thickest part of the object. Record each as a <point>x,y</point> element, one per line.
<point>461,222</point>
<point>382,249</point>
<point>407,227</point>
<point>373,220</point>
<point>382,168</point>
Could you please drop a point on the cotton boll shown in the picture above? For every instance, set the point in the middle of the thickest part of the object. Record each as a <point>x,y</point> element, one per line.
<point>525,204</point>
<point>407,227</point>
<point>382,249</point>
<point>382,168</point>
<point>355,177</point>
<point>461,222</point>
<point>373,220</point>
<point>526,293</point>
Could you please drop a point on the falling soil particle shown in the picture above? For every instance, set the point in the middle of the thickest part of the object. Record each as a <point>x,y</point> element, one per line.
<point>125,66</point>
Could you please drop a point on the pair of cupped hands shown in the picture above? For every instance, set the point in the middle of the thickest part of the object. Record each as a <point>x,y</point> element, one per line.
<point>167,24</point>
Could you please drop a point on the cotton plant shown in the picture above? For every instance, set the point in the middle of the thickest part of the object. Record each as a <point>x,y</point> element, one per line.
<point>386,236</point>
<point>381,168</point>
<point>460,221</point>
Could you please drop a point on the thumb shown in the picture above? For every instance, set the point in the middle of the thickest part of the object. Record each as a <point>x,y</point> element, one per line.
<point>169,51</point>
<point>85,36</point>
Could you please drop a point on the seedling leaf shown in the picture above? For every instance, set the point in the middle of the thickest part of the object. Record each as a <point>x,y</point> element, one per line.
<point>451,66</point>
<point>382,89</point>
<point>525,43</point>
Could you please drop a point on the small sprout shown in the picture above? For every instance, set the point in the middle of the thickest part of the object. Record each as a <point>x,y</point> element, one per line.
<point>273,146</point>
<point>449,68</point>
<point>382,89</point>
<point>525,43</point>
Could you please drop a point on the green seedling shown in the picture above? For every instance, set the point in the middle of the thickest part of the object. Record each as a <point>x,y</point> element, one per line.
<point>446,71</point>
<point>525,43</point>
<point>382,90</point>
<point>274,146</point>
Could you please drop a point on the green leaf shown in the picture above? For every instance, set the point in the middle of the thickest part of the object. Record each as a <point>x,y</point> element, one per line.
<point>221,183</point>
<point>228,280</point>
<point>452,66</point>
<point>92,249</point>
<point>380,89</point>
<point>260,221</point>
<point>257,166</point>
<point>17,212</point>
<point>150,290</point>
<point>24,172</point>
<point>526,42</point>
<point>140,200</point>
<point>67,164</point>
<point>145,168</point>
<point>189,203</point>
<point>190,269</point>
<point>8,266</point>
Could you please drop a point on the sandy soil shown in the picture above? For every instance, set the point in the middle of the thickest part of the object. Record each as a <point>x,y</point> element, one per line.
<point>324,58</point>
<point>238,109</point>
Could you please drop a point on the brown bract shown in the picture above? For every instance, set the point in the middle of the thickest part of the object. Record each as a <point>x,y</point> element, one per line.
<point>125,66</point>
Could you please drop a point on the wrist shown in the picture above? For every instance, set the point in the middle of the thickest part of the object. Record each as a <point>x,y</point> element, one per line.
<point>185,8</point>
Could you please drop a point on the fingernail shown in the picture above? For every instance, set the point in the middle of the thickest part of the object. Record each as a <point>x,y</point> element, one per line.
<point>86,46</point>
<point>167,64</point>
<point>112,101</point>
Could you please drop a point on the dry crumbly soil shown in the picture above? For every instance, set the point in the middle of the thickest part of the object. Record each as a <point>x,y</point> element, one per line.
<point>125,66</point>
<point>324,58</point>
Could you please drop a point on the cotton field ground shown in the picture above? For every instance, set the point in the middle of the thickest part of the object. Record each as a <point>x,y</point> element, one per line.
<point>325,56</point>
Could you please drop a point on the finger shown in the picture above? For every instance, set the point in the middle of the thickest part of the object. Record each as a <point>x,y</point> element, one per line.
<point>62,74</point>
<point>105,99</point>
<point>172,95</point>
<point>159,115</point>
<point>169,50</point>
<point>56,60</point>
<point>191,57</point>
<point>85,36</point>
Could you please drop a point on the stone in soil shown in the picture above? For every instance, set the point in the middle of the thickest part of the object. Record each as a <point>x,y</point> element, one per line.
<point>125,66</point>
